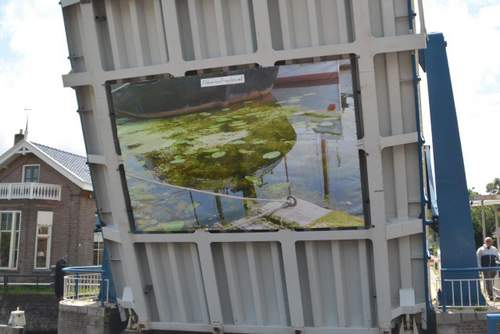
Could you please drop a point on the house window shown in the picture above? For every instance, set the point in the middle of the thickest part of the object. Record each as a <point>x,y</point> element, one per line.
<point>31,173</point>
<point>43,239</point>
<point>98,248</point>
<point>10,227</point>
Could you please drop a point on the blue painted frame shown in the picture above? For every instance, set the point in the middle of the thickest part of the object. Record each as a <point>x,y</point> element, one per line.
<point>455,223</point>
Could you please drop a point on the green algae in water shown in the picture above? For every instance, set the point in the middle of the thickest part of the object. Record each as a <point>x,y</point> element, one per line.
<point>222,119</point>
<point>338,219</point>
<point>258,141</point>
<point>172,226</point>
<point>210,154</point>
<point>253,179</point>
<point>322,114</point>
<point>238,123</point>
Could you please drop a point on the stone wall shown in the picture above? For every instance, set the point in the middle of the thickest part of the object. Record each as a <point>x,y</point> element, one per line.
<point>88,318</point>
<point>461,323</point>
<point>41,311</point>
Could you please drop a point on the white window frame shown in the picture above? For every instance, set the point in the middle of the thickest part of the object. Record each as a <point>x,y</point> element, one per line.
<point>31,165</point>
<point>13,239</point>
<point>99,250</point>
<point>49,240</point>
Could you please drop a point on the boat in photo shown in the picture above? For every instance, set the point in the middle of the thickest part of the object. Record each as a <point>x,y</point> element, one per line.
<point>316,74</point>
<point>179,96</point>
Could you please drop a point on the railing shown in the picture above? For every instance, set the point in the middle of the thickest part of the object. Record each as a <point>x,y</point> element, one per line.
<point>36,280</point>
<point>468,292</point>
<point>85,284</point>
<point>43,191</point>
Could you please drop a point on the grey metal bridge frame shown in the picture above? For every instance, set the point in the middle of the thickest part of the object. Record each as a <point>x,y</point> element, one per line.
<point>317,282</point>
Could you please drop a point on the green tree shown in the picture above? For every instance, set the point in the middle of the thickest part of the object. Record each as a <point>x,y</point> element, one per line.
<point>493,188</point>
<point>477,223</point>
<point>489,215</point>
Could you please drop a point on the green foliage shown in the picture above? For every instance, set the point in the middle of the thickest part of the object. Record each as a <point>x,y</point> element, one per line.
<point>493,187</point>
<point>26,290</point>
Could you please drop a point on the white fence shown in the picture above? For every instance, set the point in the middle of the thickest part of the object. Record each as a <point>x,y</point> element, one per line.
<point>468,292</point>
<point>86,286</point>
<point>43,191</point>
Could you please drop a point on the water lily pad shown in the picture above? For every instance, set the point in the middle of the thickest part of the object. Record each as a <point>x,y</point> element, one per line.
<point>204,114</point>
<point>218,154</point>
<point>222,119</point>
<point>213,128</point>
<point>238,142</point>
<point>271,155</point>
<point>243,151</point>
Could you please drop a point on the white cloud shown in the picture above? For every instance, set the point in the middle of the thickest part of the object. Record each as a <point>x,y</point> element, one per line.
<point>32,58</point>
<point>472,30</point>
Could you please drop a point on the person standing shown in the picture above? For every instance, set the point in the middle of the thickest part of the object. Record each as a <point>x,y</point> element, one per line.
<point>487,257</point>
<point>59,278</point>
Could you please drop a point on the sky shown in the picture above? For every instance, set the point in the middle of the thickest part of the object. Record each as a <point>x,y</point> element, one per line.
<point>33,56</point>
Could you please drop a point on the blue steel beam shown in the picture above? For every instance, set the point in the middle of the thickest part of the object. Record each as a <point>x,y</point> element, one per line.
<point>456,233</point>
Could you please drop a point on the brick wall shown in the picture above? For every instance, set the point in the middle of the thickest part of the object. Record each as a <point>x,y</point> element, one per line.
<point>73,222</point>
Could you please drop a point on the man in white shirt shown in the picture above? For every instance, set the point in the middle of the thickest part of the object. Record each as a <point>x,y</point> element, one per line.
<point>487,257</point>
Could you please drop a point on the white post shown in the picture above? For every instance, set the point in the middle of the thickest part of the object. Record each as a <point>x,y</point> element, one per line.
<point>483,219</point>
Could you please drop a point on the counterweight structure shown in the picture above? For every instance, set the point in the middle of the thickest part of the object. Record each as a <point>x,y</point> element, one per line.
<point>334,281</point>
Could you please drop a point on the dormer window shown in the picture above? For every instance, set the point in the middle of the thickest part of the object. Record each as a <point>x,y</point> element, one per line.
<point>31,173</point>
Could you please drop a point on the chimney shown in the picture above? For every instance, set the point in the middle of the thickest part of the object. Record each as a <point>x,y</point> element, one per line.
<point>18,137</point>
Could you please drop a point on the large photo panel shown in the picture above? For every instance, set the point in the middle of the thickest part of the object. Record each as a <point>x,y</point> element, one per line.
<point>254,149</point>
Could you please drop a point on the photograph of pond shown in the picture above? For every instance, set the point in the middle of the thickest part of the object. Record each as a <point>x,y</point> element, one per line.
<point>253,149</point>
